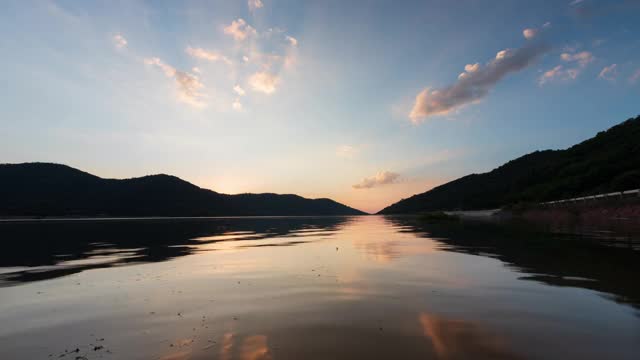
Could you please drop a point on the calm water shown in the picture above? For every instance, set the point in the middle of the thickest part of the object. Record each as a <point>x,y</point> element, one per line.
<point>314,288</point>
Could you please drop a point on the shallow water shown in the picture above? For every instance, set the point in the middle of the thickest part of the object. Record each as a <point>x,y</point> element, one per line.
<point>313,288</point>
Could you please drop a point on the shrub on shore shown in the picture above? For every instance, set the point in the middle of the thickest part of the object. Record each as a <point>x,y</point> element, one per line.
<point>438,216</point>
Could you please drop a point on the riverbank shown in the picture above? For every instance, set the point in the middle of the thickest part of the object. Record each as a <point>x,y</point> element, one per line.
<point>627,210</point>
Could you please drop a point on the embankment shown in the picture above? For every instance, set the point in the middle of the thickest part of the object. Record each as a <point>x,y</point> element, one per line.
<point>604,211</point>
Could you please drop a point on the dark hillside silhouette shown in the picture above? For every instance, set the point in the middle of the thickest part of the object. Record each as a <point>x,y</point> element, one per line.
<point>44,189</point>
<point>608,162</point>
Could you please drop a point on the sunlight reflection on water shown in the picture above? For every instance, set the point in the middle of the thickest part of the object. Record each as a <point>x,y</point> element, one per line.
<point>311,288</point>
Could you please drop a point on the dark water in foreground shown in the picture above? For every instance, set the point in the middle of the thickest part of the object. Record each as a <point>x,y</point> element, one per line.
<point>313,288</point>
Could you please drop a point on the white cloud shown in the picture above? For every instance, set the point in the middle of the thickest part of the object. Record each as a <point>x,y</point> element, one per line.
<point>346,151</point>
<point>546,25</point>
<point>635,77</point>
<point>609,72</point>
<point>189,85</point>
<point>255,4</point>
<point>239,30</point>
<point>472,86</point>
<point>263,82</point>
<point>293,41</point>
<point>576,62</point>
<point>119,41</point>
<point>239,90</point>
<point>575,2</point>
<point>381,178</point>
<point>529,33</point>
<point>201,53</point>
<point>196,69</point>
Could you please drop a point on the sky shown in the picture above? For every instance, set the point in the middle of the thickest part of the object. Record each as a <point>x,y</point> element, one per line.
<point>364,102</point>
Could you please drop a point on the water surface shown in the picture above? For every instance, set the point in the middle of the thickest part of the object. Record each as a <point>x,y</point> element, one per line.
<point>313,288</point>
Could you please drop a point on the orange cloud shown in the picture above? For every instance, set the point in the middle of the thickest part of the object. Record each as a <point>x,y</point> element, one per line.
<point>577,63</point>
<point>381,178</point>
<point>609,72</point>
<point>236,105</point>
<point>189,85</point>
<point>239,90</point>
<point>293,41</point>
<point>201,53</point>
<point>529,33</point>
<point>263,82</point>
<point>239,30</point>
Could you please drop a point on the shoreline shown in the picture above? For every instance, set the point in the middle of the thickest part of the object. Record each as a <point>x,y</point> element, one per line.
<point>127,218</point>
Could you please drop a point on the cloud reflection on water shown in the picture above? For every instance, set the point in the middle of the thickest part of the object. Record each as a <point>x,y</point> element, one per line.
<point>458,339</point>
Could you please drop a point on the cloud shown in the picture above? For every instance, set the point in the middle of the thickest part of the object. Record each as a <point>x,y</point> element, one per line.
<point>550,74</point>
<point>575,2</point>
<point>189,85</point>
<point>473,84</point>
<point>576,62</point>
<point>263,82</point>
<point>255,4</point>
<point>582,58</point>
<point>468,69</point>
<point>237,105</point>
<point>169,70</point>
<point>346,151</point>
<point>203,54</point>
<point>293,41</point>
<point>381,178</point>
<point>529,33</point>
<point>546,25</point>
<point>239,30</point>
<point>119,41</point>
<point>634,77</point>
<point>609,72</point>
<point>239,90</point>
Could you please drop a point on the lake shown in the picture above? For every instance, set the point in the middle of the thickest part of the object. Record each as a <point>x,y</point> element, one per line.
<point>366,287</point>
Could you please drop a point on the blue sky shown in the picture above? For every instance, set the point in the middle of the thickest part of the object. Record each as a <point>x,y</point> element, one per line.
<point>365,102</point>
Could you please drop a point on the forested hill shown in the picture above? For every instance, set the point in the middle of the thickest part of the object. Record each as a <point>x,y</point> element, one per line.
<point>44,189</point>
<point>610,161</point>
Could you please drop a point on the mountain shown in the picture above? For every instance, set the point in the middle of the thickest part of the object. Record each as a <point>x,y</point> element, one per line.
<point>45,189</point>
<point>608,162</point>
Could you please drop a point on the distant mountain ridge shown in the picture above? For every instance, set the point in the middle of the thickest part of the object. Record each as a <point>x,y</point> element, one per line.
<point>610,161</point>
<point>47,189</point>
